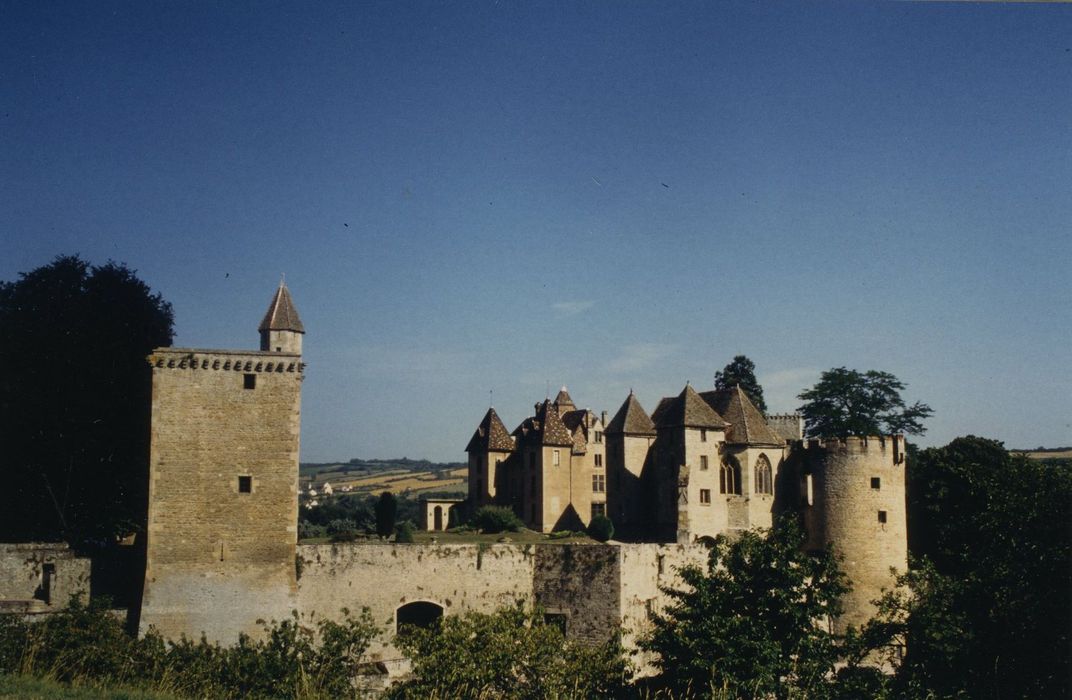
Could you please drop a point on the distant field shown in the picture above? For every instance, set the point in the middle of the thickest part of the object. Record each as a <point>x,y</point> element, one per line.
<point>393,480</point>
<point>1046,454</point>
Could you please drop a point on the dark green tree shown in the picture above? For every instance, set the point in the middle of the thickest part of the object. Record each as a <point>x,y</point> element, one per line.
<point>601,528</point>
<point>74,400</point>
<point>753,624</point>
<point>742,372</point>
<point>508,654</point>
<point>386,509</point>
<point>492,519</point>
<point>991,589</point>
<point>847,402</point>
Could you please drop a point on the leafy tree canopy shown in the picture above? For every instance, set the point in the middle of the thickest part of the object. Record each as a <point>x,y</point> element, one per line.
<point>990,597</point>
<point>509,654</point>
<point>74,399</point>
<point>847,402</point>
<point>742,372</point>
<point>753,624</point>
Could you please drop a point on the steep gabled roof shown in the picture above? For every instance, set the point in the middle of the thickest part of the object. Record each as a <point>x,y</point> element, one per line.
<point>580,441</point>
<point>282,314</point>
<point>546,426</point>
<point>688,410</point>
<point>747,425</point>
<point>553,429</point>
<point>490,435</point>
<point>571,419</point>
<point>631,419</point>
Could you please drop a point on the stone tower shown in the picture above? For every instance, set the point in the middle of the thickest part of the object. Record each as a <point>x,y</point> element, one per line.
<point>281,330</point>
<point>629,437</point>
<point>223,480</point>
<point>488,449</point>
<point>853,491</point>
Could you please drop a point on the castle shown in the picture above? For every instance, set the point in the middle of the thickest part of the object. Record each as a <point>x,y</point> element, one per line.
<point>222,551</point>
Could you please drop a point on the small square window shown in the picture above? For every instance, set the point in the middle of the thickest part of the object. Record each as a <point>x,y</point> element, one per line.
<point>249,381</point>
<point>876,482</point>
<point>882,516</point>
<point>245,484</point>
<point>705,496</point>
<point>599,509</point>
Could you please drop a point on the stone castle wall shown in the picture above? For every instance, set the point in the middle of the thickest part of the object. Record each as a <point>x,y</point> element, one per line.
<point>223,486</point>
<point>41,577</point>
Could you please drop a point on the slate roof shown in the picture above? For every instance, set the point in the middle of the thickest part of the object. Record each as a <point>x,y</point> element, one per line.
<point>490,435</point>
<point>282,314</point>
<point>547,425</point>
<point>688,410</point>
<point>631,419</point>
<point>563,401</point>
<point>571,419</point>
<point>747,425</point>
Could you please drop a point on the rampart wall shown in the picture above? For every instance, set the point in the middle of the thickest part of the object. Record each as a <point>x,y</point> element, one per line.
<point>40,577</point>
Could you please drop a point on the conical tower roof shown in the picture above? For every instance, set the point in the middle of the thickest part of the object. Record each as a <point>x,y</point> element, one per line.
<point>631,419</point>
<point>491,435</point>
<point>687,410</point>
<point>564,402</point>
<point>282,314</point>
<point>747,425</point>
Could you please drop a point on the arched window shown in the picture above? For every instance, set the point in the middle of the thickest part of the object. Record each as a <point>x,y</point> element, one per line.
<point>417,614</point>
<point>764,479</point>
<point>729,476</point>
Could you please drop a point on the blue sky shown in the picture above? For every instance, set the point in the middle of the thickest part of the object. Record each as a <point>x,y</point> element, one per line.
<point>507,196</point>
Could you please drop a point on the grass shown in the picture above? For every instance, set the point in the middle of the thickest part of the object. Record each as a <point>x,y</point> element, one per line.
<point>34,688</point>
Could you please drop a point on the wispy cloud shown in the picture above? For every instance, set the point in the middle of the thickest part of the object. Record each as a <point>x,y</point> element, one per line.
<point>633,358</point>
<point>572,308</point>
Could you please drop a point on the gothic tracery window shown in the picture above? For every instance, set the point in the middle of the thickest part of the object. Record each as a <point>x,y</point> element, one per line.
<point>764,478</point>
<point>729,476</point>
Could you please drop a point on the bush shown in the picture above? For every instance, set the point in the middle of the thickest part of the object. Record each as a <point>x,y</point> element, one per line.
<point>492,519</point>
<point>404,532</point>
<point>87,644</point>
<point>601,528</point>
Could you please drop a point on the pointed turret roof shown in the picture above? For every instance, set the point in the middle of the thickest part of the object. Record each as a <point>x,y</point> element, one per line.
<point>631,419</point>
<point>687,410</point>
<point>491,435</point>
<point>747,425</point>
<point>564,402</point>
<point>282,314</point>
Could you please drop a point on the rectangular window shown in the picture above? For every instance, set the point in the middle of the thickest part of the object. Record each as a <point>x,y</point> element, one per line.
<point>555,458</point>
<point>882,517</point>
<point>245,484</point>
<point>703,463</point>
<point>599,437</point>
<point>599,509</point>
<point>703,435</point>
<point>705,497</point>
<point>599,483</point>
<point>249,381</point>
<point>876,482</point>
<point>599,461</point>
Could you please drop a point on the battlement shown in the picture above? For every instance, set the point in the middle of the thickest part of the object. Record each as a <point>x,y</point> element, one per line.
<point>225,360</point>
<point>853,443</point>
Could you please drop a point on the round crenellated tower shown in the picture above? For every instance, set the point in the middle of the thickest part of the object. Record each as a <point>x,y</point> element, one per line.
<point>854,500</point>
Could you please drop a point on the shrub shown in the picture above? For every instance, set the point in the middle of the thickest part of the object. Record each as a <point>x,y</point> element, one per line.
<point>404,532</point>
<point>601,528</point>
<point>492,519</point>
<point>87,644</point>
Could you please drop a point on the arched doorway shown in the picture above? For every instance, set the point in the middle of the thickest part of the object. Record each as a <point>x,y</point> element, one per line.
<point>421,613</point>
<point>437,518</point>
